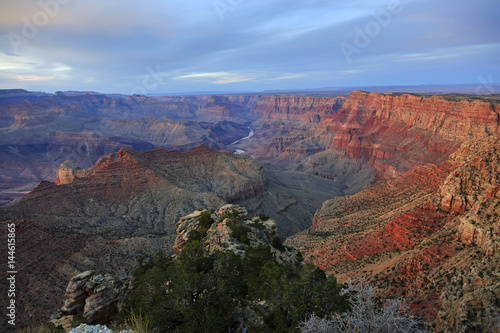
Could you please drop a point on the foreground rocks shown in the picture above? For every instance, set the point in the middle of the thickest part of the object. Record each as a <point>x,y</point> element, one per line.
<point>94,296</point>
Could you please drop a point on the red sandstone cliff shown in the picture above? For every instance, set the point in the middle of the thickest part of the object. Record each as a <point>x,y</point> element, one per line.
<point>412,234</point>
<point>392,133</point>
<point>311,109</point>
<point>402,131</point>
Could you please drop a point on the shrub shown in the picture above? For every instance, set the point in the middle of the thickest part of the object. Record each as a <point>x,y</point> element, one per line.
<point>195,235</point>
<point>201,292</point>
<point>277,244</point>
<point>206,220</point>
<point>263,217</point>
<point>77,320</point>
<point>239,231</point>
<point>366,315</point>
<point>257,224</point>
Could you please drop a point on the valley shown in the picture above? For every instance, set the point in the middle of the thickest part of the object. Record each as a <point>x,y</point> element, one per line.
<point>402,189</point>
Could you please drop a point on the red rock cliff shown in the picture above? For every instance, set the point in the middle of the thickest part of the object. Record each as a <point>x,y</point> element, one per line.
<point>451,120</point>
<point>397,132</point>
<point>313,109</point>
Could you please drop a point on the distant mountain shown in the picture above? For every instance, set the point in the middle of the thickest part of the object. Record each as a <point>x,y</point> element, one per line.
<point>480,88</point>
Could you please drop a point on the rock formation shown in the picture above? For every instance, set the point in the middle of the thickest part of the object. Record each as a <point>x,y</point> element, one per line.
<point>104,217</point>
<point>260,231</point>
<point>310,109</point>
<point>93,296</point>
<point>411,235</point>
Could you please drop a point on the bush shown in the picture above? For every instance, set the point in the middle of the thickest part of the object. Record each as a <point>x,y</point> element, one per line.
<point>206,220</point>
<point>239,231</point>
<point>277,244</point>
<point>201,292</point>
<point>263,217</point>
<point>77,320</point>
<point>195,235</point>
<point>366,315</point>
<point>257,224</point>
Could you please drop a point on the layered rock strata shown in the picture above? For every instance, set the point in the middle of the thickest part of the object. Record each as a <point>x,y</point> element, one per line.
<point>412,235</point>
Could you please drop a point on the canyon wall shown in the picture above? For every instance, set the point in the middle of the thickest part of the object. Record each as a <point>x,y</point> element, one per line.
<point>311,109</point>
<point>412,235</point>
<point>105,217</point>
<point>402,131</point>
<point>392,133</point>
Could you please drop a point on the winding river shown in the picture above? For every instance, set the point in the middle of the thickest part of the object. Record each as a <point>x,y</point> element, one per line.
<point>241,151</point>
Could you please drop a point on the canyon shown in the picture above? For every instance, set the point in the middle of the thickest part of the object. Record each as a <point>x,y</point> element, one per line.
<point>400,188</point>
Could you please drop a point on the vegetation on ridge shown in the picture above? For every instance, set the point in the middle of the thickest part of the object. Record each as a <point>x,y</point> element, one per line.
<point>220,291</point>
<point>200,292</point>
<point>250,290</point>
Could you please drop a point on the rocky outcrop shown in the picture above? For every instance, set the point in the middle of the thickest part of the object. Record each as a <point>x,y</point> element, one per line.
<point>473,189</point>
<point>68,171</point>
<point>476,178</point>
<point>258,230</point>
<point>94,296</point>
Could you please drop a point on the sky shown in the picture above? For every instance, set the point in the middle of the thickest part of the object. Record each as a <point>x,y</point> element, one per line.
<point>175,46</point>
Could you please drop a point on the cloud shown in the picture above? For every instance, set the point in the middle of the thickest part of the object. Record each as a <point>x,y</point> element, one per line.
<point>33,78</point>
<point>351,72</point>
<point>288,77</point>
<point>203,75</point>
<point>220,77</point>
<point>109,46</point>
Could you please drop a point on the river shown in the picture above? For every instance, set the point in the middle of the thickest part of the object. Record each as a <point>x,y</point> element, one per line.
<point>241,151</point>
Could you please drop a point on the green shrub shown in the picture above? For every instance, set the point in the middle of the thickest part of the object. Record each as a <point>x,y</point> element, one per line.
<point>257,224</point>
<point>195,235</point>
<point>206,220</point>
<point>263,217</point>
<point>239,231</point>
<point>201,292</point>
<point>77,320</point>
<point>277,244</point>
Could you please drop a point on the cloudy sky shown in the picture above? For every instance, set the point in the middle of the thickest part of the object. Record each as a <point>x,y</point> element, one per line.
<point>172,46</point>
